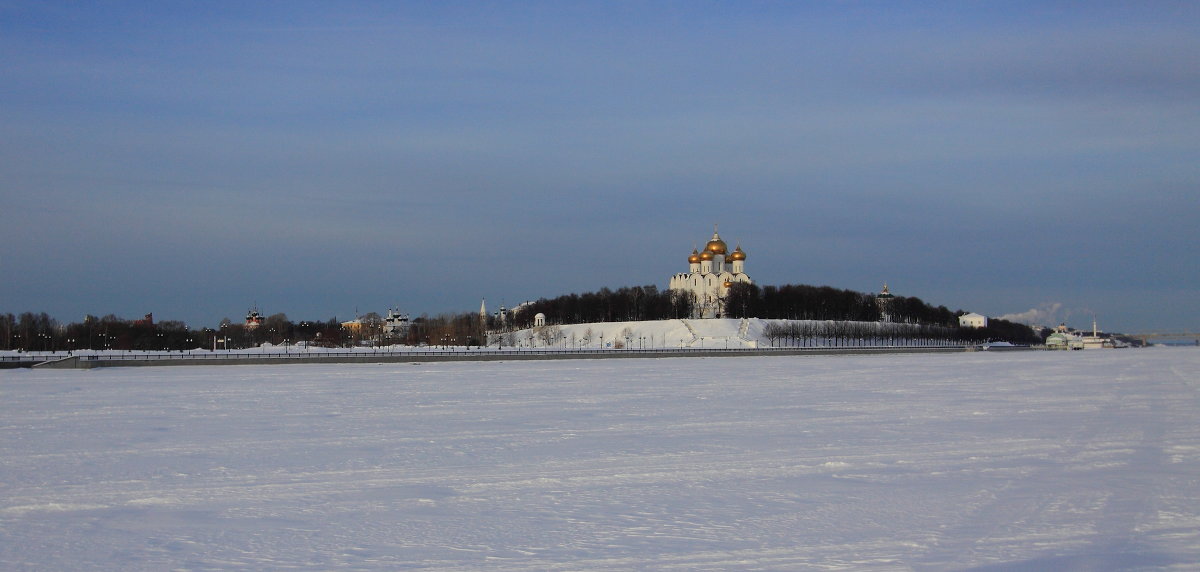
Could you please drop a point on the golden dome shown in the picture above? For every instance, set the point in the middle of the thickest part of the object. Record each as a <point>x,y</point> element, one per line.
<point>716,245</point>
<point>694,258</point>
<point>737,254</point>
<point>706,255</point>
<point>728,284</point>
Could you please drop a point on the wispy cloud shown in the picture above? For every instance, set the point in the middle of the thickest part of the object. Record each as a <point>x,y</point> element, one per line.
<point>1046,314</point>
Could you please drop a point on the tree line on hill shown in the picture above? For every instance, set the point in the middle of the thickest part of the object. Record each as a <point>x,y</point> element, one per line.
<point>788,302</point>
<point>804,302</point>
<point>627,304</point>
<point>795,302</point>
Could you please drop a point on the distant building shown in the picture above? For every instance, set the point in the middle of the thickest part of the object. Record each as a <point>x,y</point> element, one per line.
<point>396,324</point>
<point>972,320</point>
<point>884,301</point>
<point>1063,340</point>
<point>354,326</point>
<point>710,275</point>
<point>253,319</point>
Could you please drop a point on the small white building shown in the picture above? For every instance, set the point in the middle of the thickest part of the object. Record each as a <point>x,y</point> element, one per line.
<point>972,320</point>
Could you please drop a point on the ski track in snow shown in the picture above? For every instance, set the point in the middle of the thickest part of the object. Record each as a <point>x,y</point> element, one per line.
<point>987,461</point>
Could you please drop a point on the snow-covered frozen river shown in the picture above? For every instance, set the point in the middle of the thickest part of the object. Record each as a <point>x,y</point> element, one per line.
<point>990,461</point>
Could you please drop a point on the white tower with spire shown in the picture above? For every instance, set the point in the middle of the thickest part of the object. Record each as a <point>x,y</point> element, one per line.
<point>883,301</point>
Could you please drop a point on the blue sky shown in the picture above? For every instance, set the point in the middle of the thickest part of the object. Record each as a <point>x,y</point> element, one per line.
<point>192,159</point>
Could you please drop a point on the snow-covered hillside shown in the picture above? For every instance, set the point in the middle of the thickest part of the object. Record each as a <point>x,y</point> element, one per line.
<point>1029,461</point>
<point>706,333</point>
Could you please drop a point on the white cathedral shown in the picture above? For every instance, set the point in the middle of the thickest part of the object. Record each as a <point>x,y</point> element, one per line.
<point>711,273</point>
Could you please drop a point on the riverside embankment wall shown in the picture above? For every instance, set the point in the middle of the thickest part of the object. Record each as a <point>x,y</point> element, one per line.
<point>89,362</point>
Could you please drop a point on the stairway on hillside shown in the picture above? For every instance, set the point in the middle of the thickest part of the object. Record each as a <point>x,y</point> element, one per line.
<point>691,331</point>
<point>743,330</point>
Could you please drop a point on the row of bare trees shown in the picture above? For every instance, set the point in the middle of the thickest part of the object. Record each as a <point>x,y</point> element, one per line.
<point>803,333</point>
<point>40,332</point>
<point>814,333</point>
<point>29,330</point>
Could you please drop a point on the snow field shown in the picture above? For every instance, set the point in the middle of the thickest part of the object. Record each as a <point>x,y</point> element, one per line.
<point>1029,460</point>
